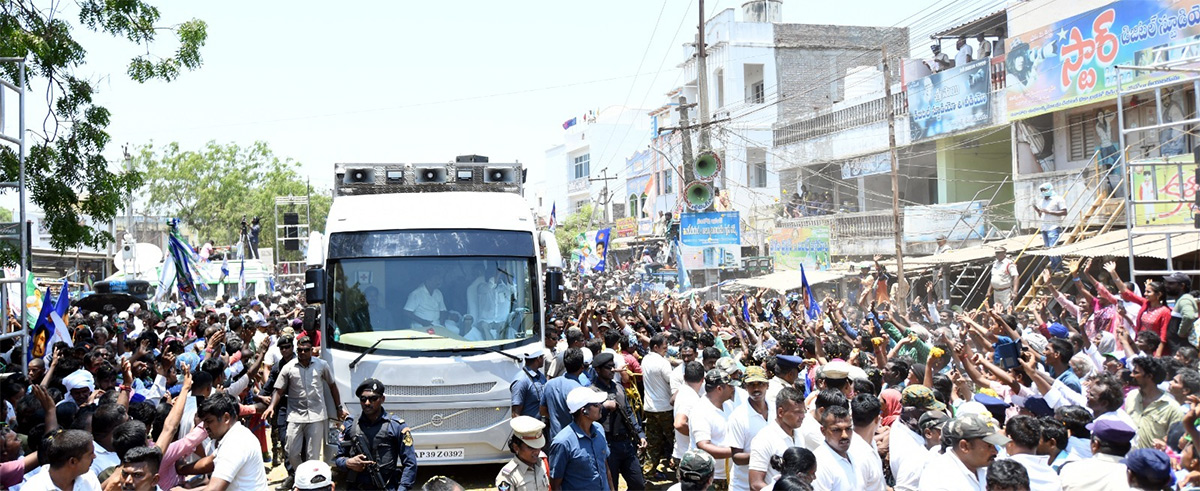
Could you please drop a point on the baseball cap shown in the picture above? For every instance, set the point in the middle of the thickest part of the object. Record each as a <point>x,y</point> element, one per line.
<point>582,396</point>
<point>1112,430</point>
<point>971,426</point>
<point>1178,277</point>
<point>535,354</point>
<point>716,377</point>
<point>1151,464</point>
<point>755,374</point>
<point>696,466</point>
<point>1058,330</point>
<point>932,419</point>
<point>920,396</point>
<point>728,367</point>
<point>313,474</point>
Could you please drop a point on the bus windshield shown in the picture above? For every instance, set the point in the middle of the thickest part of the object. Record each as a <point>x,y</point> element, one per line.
<point>429,303</point>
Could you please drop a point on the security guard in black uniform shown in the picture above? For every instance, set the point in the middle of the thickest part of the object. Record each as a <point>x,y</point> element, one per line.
<point>389,440</point>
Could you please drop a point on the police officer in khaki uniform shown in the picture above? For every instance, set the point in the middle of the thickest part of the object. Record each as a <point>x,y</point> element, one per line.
<point>528,470</point>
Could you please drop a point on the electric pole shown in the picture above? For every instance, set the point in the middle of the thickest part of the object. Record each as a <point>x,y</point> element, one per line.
<point>897,223</point>
<point>702,82</point>
<point>604,195</point>
<point>686,135</point>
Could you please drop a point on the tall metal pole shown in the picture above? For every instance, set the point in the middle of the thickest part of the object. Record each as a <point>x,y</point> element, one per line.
<point>897,223</point>
<point>26,251</point>
<point>702,82</point>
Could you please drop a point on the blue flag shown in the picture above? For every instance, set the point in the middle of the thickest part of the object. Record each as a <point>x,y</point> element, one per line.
<point>43,330</point>
<point>553,217</point>
<point>813,307</point>
<point>64,300</point>
<point>745,309</point>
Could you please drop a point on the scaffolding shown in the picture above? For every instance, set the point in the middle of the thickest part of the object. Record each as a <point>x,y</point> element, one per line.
<point>18,231</point>
<point>291,236</point>
<point>1187,67</point>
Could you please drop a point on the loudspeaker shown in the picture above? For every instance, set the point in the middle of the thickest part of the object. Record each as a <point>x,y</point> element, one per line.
<point>290,233</point>
<point>699,195</point>
<point>500,174</point>
<point>430,175</point>
<point>706,166</point>
<point>359,176</point>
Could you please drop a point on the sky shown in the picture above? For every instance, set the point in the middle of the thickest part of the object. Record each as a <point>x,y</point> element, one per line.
<point>421,82</point>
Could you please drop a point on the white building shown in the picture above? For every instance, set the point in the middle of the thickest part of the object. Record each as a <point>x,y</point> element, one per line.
<point>572,172</point>
<point>742,84</point>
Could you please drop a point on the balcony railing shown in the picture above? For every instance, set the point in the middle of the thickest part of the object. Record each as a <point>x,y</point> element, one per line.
<point>872,111</point>
<point>848,226</point>
<point>829,122</point>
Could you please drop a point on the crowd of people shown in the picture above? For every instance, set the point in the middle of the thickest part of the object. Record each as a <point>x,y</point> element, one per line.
<point>1093,386</point>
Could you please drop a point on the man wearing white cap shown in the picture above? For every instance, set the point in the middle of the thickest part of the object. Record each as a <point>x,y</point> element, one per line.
<point>527,387</point>
<point>529,469</point>
<point>314,475</point>
<point>579,452</point>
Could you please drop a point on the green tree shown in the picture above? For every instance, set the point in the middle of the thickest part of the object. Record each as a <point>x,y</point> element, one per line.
<point>567,233</point>
<point>68,176</point>
<point>211,189</point>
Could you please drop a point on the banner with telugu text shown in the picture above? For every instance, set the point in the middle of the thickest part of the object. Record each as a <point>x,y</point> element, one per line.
<point>796,246</point>
<point>1070,62</point>
<point>711,240</point>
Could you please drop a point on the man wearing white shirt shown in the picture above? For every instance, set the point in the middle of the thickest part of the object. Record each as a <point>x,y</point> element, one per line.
<point>238,463</point>
<point>685,398</point>
<point>776,437</point>
<point>68,456</point>
<point>866,409</point>
<point>835,471</point>
<point>813,428</point>
<point>425,305</point>
<point>1025,432</point>
<point>962,465</point>
<point>656,379</point>
<point>964,52</point>
<point>687,354</point>
<point>744,423</point>
<point>708,422</point>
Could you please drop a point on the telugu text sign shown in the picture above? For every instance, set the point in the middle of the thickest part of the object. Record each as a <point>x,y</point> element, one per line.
<point>711,240</point>
<point>1071,62</point>
<point>949,101</point>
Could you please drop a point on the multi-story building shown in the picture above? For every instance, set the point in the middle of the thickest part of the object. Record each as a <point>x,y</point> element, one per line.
<point>758,70</point>
<point>594,146</point>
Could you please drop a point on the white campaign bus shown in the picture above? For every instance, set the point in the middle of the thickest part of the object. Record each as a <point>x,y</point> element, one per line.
<point>431,278</point>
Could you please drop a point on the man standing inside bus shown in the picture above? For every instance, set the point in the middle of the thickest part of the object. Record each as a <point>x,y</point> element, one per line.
<point>425,305</point>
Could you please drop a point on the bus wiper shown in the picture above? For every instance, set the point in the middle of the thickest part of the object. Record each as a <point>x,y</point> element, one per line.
<point>372,349</point>
<point>481,348</point>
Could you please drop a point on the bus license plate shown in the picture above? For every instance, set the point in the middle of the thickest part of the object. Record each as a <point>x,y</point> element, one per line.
<point>440,454</point>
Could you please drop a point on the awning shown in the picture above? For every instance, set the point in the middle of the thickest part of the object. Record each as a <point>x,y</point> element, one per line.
<point>1116,243</point>
<point>967,254</point>
<point>986,24</point>
<point>783,281</point>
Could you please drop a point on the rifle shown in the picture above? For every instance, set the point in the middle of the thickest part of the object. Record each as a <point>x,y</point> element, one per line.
<point>359,446</point>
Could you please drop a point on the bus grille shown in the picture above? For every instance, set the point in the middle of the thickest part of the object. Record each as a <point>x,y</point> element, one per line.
<point>437,390</point>
<point>463,419</point>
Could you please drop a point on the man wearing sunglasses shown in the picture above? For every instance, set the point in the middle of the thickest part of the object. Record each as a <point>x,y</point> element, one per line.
<point>389,439</point>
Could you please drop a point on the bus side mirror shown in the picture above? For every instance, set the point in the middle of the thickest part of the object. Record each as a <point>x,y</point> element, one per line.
<point>314,286</point>
<point>554,286</point>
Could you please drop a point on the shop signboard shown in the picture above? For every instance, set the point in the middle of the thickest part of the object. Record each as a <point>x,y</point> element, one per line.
<point>869,165</point>
<point>711,240</point>
<point>796,246</point>
<point>951,100</point>
<point>1071,62</point>
<point>626,227</point>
